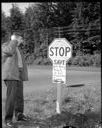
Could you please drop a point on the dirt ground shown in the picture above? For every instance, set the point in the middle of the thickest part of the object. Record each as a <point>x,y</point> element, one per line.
<point>81,99</point>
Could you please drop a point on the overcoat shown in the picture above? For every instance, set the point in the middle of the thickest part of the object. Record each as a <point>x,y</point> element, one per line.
<point>10,69</point>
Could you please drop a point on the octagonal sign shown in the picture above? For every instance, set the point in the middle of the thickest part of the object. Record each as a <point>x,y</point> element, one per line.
<point>60,49</point>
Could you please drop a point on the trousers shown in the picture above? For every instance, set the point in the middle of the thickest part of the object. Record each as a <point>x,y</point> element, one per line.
<point>14,98</point>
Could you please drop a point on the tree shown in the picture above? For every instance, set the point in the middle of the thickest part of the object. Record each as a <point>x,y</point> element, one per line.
<point>86,16</point>
<point>37,20</point>
<point>4,28</point>
<point>16,20</point>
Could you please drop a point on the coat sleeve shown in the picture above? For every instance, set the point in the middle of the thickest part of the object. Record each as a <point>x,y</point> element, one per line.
<point>9,49</point>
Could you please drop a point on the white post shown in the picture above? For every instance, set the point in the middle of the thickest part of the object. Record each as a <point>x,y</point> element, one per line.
<point>58,102</point>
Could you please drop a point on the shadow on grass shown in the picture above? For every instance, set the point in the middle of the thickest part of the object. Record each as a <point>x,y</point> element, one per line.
<point>76,85</point>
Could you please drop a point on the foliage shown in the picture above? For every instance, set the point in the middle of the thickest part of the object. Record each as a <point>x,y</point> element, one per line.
<point>16,20</point>
<point>82,60</point>
<point>86,60</point>
<point>4,31</point>
<point>80,22</point>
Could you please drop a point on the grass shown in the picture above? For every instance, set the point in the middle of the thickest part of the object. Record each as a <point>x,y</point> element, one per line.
<point>81,105</point>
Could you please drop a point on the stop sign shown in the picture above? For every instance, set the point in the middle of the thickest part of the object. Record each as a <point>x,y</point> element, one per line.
<point>60,49</point>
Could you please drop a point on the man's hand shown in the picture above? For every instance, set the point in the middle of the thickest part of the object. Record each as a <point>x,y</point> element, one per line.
<point>20,40</point>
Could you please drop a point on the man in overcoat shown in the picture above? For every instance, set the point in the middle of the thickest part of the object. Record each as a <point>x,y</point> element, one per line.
<point>14,72</point>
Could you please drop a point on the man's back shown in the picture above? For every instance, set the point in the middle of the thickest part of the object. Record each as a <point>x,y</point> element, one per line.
<point>10,69</point>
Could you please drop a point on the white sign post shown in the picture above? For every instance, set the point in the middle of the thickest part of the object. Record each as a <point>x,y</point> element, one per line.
<point>60,51</point>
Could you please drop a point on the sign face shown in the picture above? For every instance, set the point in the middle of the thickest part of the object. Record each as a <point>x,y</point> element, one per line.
<point>59,73</point>
<point>60,50</point>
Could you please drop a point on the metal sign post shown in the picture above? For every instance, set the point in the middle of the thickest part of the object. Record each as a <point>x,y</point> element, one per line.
<point>58,102</point>
<point>59,52</point>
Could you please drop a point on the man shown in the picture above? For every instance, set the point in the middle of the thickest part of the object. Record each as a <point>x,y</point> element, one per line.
<point>14,72</point>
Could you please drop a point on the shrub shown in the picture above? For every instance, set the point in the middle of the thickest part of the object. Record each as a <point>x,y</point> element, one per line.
<point>38,60</point>
<point>46,61</point>
<point>30,59</point>
<point>86,60</point>
<point>96,59</point>
<point>79,60</point>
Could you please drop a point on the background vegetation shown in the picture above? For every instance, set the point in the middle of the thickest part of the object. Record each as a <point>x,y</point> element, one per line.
<point>78,22</point>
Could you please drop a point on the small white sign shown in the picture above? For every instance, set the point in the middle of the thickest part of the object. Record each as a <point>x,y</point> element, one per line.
<point>59,72</point>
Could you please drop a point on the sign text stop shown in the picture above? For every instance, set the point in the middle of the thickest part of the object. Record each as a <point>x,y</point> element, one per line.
<point>60,49</point>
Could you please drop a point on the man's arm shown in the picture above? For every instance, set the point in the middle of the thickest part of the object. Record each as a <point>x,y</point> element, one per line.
<point>9,49</point>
